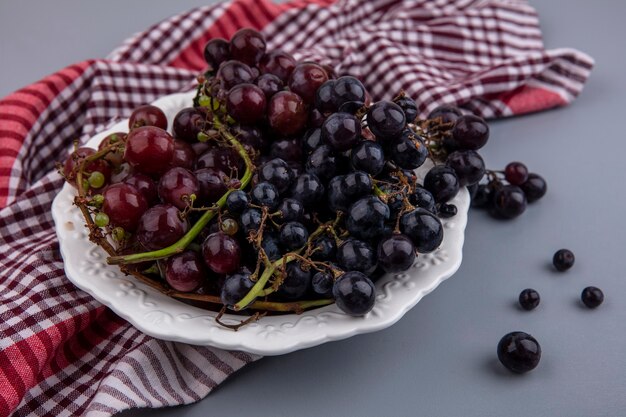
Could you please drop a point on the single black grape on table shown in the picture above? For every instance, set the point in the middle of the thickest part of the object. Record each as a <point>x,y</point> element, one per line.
<point>592,297</point>
<point>529,299</point>
<point>563,259</point>
<point>519,352</point>
<point>284,185</point>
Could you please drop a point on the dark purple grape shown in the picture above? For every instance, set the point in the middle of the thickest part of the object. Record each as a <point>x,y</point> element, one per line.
<point>442,183</point>
<point>221,253</point>
<point>470,132</point>
<point>289,150</point>
<point>409,107</point>
<point>421,197</point>
<point>213,185</point>
<point>147,115</point>
<point>247,45</point>
<point>468,165</point>
<point>592,297</point>
<point>278,173</point>
<point>278,63</point>
<point>161,226</point>
<point>237,201</point>
<point>308,189</point>
<point>145,185</point>
<point>324,249</point>
<point>423,228</point>
<point>519,352</point>
<point>287,113</point>
<point>293,235</point>
<point>185,272</point>
<point>322,284</point>
<point>408,151</point>
<point>356,255</point>
<point>356,184</point>
<point>483,197</point>
<point>124,204</point>
<point>246,103</point>
<point>250,137</point>
<point>271,245</point>
<point>291,210</point>
<point>396,253</point>
<point>324,98</point>
<point>296,283</point>
<point>368,156</point>
<point>386,120</point>
<point>305,79</point>
<point>266,195</point>
<point>347,89</point>
<point>251,220</point>
<point>516,173</point>
<point>446,114</point>
<point>235,287</point>
<point>354,293</point>
<point>447,210</point>
<point>234,72</point>
<point>149,150</point>
<point>176,187</point>
<point>220,159</point>
<point>188,123</point>
<point>341,131</point>
<point>269,84</point>
<point>337,199</point>
<point>311,140</point>
<point>529,299</point>
<point>563,259</point>
<point>316,118</point>
<point>509,202</point>
<point>216,51</point>
<point>351,107</point>
<point>322,162</point>
<point>535,187</point>
<point>366,218</point>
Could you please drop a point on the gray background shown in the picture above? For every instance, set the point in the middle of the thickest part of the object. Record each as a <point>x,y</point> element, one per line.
<point>439,360</point>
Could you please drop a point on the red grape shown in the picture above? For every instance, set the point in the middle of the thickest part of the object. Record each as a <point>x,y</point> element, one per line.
<point>234,72</point>
<point>287,113</point>
<point>75,159</point>
<point>279,63</point>
<point>161,226</point>
<point>149,149</point>
<point>114,158</point>
<point>305,79</point>
<point>247,45</point>
<point>184,155</point>
<point>220,158</point>
<point>185,272</point>
<point>124,205</point>
<point>246,103</point>
<point>145,185</point>
<point>176,184</point>
<point>516,173</point>
<point>213,184</point>
<point>269,84</point>
<point>216,51</point>
<point>147,115</point>
<point>221,253</point>
<point>188,123</point>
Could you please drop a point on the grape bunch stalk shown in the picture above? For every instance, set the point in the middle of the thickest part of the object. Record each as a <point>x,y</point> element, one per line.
<point>281,188</point>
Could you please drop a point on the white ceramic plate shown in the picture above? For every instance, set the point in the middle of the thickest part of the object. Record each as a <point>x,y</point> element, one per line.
<point>166,318</point>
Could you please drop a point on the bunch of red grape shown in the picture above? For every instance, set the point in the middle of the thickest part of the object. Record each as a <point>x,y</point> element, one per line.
<point>282,188</point>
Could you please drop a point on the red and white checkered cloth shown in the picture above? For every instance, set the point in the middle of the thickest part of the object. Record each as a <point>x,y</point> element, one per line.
<point>64,354</point>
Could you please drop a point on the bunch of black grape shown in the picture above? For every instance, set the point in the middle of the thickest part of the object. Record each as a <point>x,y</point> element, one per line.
<point>281,188</point>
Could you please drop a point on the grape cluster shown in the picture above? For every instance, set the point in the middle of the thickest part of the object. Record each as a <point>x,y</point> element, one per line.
<point>282,188</point>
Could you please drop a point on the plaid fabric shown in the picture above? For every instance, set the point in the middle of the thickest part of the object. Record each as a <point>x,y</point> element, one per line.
<point>64,354</point>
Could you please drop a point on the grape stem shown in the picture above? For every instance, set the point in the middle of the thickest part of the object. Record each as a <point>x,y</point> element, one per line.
<point>259,287</point>
<point>186,240</point>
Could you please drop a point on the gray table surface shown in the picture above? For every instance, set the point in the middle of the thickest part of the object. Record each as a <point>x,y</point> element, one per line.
<point>439,360</point>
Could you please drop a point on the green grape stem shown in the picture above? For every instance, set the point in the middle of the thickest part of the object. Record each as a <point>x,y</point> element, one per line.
<point>195,230</point>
